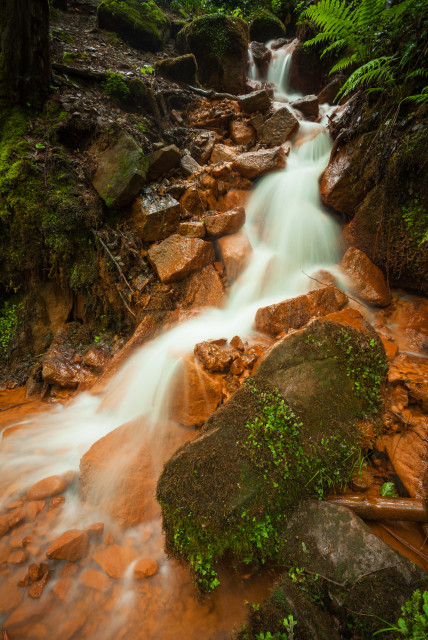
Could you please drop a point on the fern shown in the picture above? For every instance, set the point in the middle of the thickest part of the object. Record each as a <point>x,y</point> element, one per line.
<point>369,75</point>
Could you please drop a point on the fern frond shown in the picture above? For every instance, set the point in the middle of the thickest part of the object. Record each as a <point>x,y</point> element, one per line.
<point>344,63</point>
<point>375,71</point>
<point>418,98</point>
<point>417,73</point>
<point>338,44</point>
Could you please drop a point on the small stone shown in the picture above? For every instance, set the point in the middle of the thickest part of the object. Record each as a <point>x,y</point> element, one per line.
<point>237,367</point>
<point>17,557</point>
<point>222,224</point>
<point>114,560</point>
<point>162,160</point>
<point>34,508</point>
<point>254,101</point>
<point>280,127</point>
<point>188,165</point>
<point>257,163</point>
<point>71,545</point>
<point>308,106</point>
<point>70,569</point>
<point>362,480</point>
<point>177,257</point>
<point>241,132</point>
<point>63,588</point>
<point>237,343</point>
<point>4,525</point>
<point>155,218</point>
<point>192,229</point>
<point>145,568</point>
<point>95,530</point>
<point>56,501</point>
<point>365,279</point>
<point>36,589</point>
<point>235,251</point>
<point>222,153</point>
<point>94,580</point>
<point>10,595</point>
<point>46,488</point>
<point>37,571</point>
<point>4,552</point>
<point>16,517</point>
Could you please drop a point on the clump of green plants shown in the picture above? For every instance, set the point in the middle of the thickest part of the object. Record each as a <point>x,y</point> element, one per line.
<point>115,86</point>
<point>10,321</point>
<point>363,34</point>
<point>413,623</point>
<point>289,623</point>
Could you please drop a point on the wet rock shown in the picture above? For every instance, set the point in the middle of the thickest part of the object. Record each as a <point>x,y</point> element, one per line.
<point>193,201</point>
<point>17,557</point>
<point>262,56</point>
<point>96,360</point>
<point>222,153</point>
<point>241,132</point>
<point>94,580</point>
<point>95,530</point>
<point>202,289</point>
<point>46,488</point>
<point>4,552</point>
<point>192,229</point>
<point>71,545</point>
<point>143,25</point>
<point>329,92</point>
<point>4,525</point>
<point>364,278</point>
<point>33,509</point>
<point>162,160</point>
<point>181,69</point>
<point>222,224</point>
<point>145,568</point>
<point>213,357</point>
<point>266,26</point>
<point>36,571</point>
<point>305,70</point>
<point>281,126</point>
<point>308,106</point>
<point>52,308</point>
<point>35,591</point>
<point>235,251</point>
<point>257,163</point>
<point>255,101</point>
<point>177,257</point>
<point>188,165</point>
<point>59,364</point>
<point>16,516</point>
<point>114,560</point>
<point>237,343</point>
<point>278,43</point>
<point>195,394</point>
<point>155,217</point>
<point>362,480</point>
<point>220,66</point>
<point>296,312</point>
<point>10,595</point>
<point>307,370</point>
<point>202,145</point>
<point>122,169</point>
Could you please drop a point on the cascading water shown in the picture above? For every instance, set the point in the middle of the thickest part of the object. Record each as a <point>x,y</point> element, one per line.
<point>289,233</point>
<point>279,71</point>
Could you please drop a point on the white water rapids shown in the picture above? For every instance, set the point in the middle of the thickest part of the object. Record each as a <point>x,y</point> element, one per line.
<point>289,233</point>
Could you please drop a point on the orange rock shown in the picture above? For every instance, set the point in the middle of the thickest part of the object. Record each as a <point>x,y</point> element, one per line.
<point>56,501</point>
<point>235,251</point>
<point>222,224</point>
<point>257,163</point>
<point>46,488</point>
<point>192,229</point>
<point>215,358</point>
<point>194,201</point>
<point>222,153</point>
<point>145,568</point>
<point>364,278</point>
<point>391,349</point>
<point>95,530</point>
<point>4,525</point>
<point>10,595</point>
<point>241,132</point>
<point>195,394</point>
<point>34,508</point>
<point>96,359</point>
<point>70,569</point>
<point>28,611</point>
<point>296,312</point>
<point>232,199</point>
<point>348,317</point>
<point>16,517</point>
<point>202,289</point>
<point>114,560</point>
<point>237,366</point>
<point>17,557</point>
<point>221,171</point>
<point>94,580</point>
<point>71,545</point>
<point>237,343</point>
<point>4,552</point>
<point>62,588</point>
<point>177,257</point>
<point>36,589</point>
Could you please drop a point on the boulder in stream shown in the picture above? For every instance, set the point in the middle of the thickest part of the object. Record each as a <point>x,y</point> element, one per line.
<point>284,436</point>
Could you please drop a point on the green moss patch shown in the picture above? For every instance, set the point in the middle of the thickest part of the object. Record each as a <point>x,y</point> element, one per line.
<point>266,26</point>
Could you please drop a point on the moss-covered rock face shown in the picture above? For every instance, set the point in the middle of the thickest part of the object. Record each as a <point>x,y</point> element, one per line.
<point>265,27</point>
<point>181,69</point>
<point>219,44</point>
<point>142,24</point>
<point>283,437</point>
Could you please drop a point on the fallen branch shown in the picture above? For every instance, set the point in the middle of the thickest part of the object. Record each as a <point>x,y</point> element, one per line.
<point>211,94</point>
<point>327,285</point>
<point>384,508</point>
<point>80,72</point>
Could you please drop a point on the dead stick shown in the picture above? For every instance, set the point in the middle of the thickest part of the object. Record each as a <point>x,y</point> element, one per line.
<point>384,508</point>
<point>113,258</point>
<point>327,285</point>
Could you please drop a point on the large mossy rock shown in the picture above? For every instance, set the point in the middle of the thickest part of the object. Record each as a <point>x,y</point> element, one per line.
<point>142,24</point>
<point>280,439</point>
<point>220,45</point>
<point>265,27</point>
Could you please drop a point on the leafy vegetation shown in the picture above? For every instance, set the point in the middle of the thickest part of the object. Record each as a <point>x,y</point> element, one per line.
<point>10,320</point>
<point>377,43</point>
<point>115,86</point>
<point>413,623</point>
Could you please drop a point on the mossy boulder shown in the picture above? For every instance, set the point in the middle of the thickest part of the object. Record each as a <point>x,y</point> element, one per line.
<point>181,69</point>
<point>281,438</point>
<point>266,26</point>
<point>220,45</point>
<point>142,24</point>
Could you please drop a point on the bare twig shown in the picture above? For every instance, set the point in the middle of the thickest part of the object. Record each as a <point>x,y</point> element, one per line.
<point>327,285</point>
<point>211,94</point>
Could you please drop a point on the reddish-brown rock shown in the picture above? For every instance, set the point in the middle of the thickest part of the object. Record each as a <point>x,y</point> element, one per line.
<point>16,516</point>
<point>194,201</point>
<point>235,251</point>
<point>215,358</point>
<point>222,153</point>
<point>10,595</point>
<point>145,568</point>
<point>71,545</point>
<point>59,367</point>
<point>281,126</point>
<point>36,571</point>
<point>192,229</point>
<point>308,106</point>
<point>233,198</point>
<point>241,132</point>
<point>95,530</point>
<point>17,557</point>
<point>4,525</point>
<point>155,217</point>
<point>34,508</point>
<point>364,278</point>
<point>114,560</point>
<point>296,312</point>
<point>4,552</point>
<point>177,257</point>
<point>63,587</point>
<point>222,224</point>
<point>36,589</point>
<point>254,101</point>
<point>96,360</point>
<point>195,394</point>
<point>95,580</point>
<point>52,486</point>
<point>202,289</point>
<point>256,163</point>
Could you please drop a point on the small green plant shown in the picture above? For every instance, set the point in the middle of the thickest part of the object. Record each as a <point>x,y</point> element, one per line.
<point>288,623</point>
<point>115,86</point>
<point>147,69</point>
<point>413,623</point>
<point>10,320</point>
<point>388,490</point>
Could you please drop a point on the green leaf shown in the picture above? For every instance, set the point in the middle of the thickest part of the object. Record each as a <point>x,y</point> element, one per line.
<point>388,490</point>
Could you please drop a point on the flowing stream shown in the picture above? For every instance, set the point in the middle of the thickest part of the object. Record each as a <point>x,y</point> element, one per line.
<point>289,234</point>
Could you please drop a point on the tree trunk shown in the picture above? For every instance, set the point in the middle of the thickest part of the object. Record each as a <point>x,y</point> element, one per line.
<point>24,52</point>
